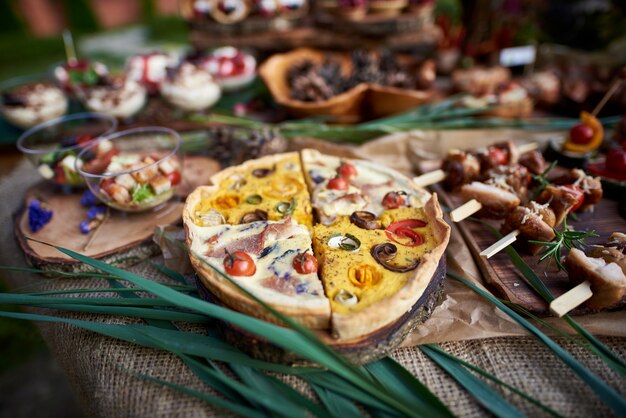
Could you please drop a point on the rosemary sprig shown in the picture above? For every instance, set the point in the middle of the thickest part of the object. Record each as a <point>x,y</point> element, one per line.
<point>541,179</point>
<point>568,239</point>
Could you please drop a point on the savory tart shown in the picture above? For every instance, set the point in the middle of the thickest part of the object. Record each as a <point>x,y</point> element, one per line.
<point>366,262</point>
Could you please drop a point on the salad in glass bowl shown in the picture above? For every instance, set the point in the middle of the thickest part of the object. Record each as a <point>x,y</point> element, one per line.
<point>143,174</point>
<point>53,146</point>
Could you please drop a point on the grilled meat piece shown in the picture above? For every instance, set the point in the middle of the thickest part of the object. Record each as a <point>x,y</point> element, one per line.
<point>496,202</point>
<point>460,168</point>
<point>490,157</point>
<point>560,199</point>
<point>512,178</point>
<point>607,279</point>
<point>592,186</point>
<point>613,251</point>
<point>533,161</point>
<point>534,221</point>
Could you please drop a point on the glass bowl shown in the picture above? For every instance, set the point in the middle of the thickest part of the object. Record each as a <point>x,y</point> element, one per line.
<point>143,174</point>
<point>53,146</point>
<point>27,101</point>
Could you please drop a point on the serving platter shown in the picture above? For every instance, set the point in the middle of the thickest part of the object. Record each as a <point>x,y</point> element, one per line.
<point>123,239</point>
<point>361,350</point>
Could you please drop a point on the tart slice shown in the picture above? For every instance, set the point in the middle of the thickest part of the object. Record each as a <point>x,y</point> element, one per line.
<point>271,259</point>
<point>342,186</point>
<point>375,269</point>
<point>270,188</point>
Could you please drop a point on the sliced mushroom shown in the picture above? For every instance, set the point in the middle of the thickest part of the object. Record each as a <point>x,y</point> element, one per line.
<point>346,297</point>
<point>364,219</point>
<point>262,172</point>
<point>383,253</point>
<point>254,216</point>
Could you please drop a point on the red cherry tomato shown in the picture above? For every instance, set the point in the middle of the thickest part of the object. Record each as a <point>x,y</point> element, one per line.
<point>83,139</point>
<point>581,134</point>
<point>338,183</point>
<point>393,200</point>
<point>305,263</point>
<point>347,170</point>
<point>616,161</point>
<point>105,185</point>
<point>174,177</point>
<point>59,175</point>
<point>498,155</point>
<point>99,164</point>
<point>578,193</point>
<point>403,229</point>
<point>239,263</point>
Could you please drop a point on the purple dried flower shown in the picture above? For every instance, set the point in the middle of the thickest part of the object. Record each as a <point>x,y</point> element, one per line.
<point>38,215</point>
<point>85,227</point>
<point>88,199</point>
<point>96,212</point>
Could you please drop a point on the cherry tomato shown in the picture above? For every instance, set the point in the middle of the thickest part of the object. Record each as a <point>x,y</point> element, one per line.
<point>239,263</point>
<point>99,164</point>
<point>578,193</point>
<point>393,200</point>
<point>616,161</point>
<point>105,185</point>
<point>347,170</point>
<point>59,175</point>
<point>403,229</point>
<point>305,263</point>
<point>338,183</point>
<point>581,134</point>
<point>498,155</point>
<point>174,177</point>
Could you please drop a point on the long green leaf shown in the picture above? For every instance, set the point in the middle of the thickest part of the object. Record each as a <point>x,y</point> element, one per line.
<point>172,274</point>
<point>614,400</point>
<point>336,404</point>
<point>24,299</point>
<point>154,314</point>
<point>213,400</point>
<point>482,392</point>
<point>494,379</point>
<point>102,290</point>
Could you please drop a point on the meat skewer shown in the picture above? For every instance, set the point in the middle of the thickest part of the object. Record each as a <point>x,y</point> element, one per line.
<point>600,274</point>
<point>461,167</point>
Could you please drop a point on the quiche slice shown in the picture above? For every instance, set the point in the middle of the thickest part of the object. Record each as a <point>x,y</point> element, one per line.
<point>270,249</point>
<point>375,269</point>
<point>342,186</point>
<point>269,188</point>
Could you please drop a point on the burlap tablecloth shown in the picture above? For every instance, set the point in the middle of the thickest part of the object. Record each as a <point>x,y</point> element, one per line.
<point>100,369</point>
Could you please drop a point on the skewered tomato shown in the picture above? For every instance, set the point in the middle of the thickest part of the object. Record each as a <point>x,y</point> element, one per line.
<point>498,155</point>
<point>239,263</point>
<point>347,170</point>
<point>338,183</point>
<point>616,160</point>
<point>578,192</point>
<point>305,263</point>
<point>581,134</point>
<point>393,200</point>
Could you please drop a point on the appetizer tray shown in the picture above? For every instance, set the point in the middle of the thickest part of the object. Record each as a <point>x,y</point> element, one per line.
<point>503,277</point>
<point>123,239</point>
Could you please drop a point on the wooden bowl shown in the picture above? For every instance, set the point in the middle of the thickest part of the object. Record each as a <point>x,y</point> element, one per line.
<point>363,100</point>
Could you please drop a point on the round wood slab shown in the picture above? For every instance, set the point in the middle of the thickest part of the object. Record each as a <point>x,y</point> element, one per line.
<point>362,350</point>
<point>124,239</point>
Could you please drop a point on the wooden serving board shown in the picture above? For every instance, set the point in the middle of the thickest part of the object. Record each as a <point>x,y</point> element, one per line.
<point>362,350</point>
<point>124,239</point>
<point>502,276</point>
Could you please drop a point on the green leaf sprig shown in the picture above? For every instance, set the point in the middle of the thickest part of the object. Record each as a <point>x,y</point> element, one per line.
<point>568,239</point>
<point>541,179</point>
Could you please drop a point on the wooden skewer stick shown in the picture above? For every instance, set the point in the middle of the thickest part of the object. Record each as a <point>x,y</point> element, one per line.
<point>429,178</point>
<point>466,210</point>
<point>571,299</point>
<point>524,148</point>
<point>70,50</point>
<point>502,243</point>
<point>616,84</point>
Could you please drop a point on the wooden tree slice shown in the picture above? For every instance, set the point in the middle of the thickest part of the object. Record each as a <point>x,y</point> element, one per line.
<point>123,239</point>
<point>362,350</point>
